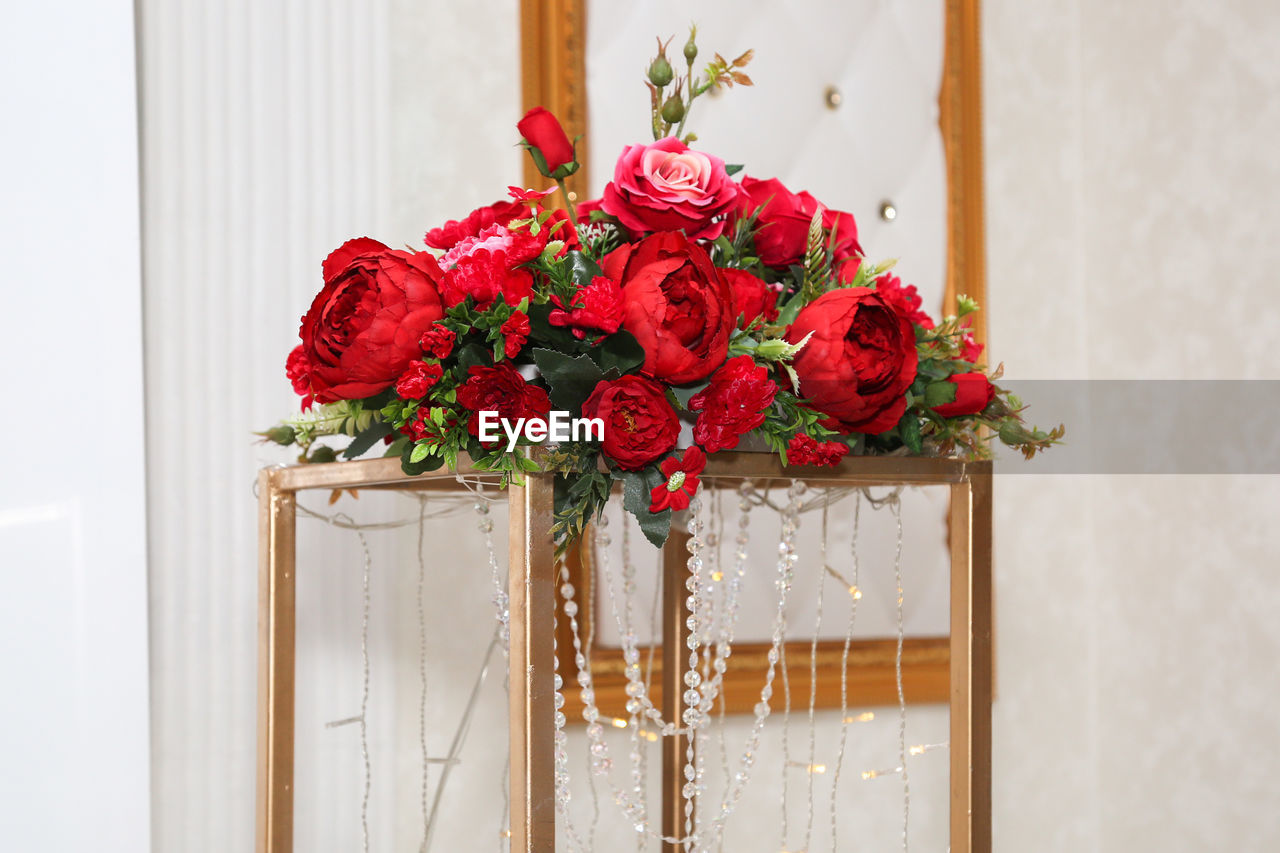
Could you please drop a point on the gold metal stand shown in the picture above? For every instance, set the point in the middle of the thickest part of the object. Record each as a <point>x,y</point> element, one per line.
<point>532,591</point>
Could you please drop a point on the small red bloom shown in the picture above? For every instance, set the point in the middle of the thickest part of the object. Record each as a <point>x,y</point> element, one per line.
<point>804,450</point>
<point>503,390</point>
<point>905,298</point>
<point>598,307</point>
<point>515,331</point>
<point>490,265</point>
<point>519,194</point>
<point>438,341</point>
<point>970,350</point>
<point>298,369</point>
<point>733,404</point>
<point>418,380</point>
<point>455,231</point>
<point>681,481</point>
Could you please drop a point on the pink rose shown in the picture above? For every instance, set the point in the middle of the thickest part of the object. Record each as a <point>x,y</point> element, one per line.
<point>665,186</point>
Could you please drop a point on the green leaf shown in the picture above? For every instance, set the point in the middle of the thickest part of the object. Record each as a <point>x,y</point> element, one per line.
<point>939,393</point>
<point>396,448</point>
<point>733,168</point>
<point>684,395</point>
<point>571,378</point>
<point>582,269</point>
<point>636,486</point>
<point>419,452</point>
<point>559,337</point>
<point>474,355</point>
<point>619,351</point>
<point>909,429</point>
<point>424,462</point>
<point>367,439</point>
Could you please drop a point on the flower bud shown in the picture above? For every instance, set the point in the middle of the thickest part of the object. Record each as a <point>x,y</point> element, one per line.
<point>660,73</point>
<point>691,49</point>
<point>673,109</point>
<point>282,434</point>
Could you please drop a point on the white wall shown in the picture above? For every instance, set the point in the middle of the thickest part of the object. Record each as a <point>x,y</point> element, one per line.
<point>73,611</point>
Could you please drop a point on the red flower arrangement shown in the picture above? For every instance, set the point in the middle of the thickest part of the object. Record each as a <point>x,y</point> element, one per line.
<point>744,307</point>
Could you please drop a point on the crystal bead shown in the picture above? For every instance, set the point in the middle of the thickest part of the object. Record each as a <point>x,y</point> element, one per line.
<point>762,710</point>
<point>692,717</point>
<point>584,677</point>
<point>634,706</point>
<point>559,701</point>
<point>595,731</point>
<point>604,540</point>
<point>689,790</point>
<point>773,655</point>
<point>602,766</point>
<point>691,697</point>
<point>590,714</point>
<point>632,671</point>
<point>559,721</point>
<point>692,678</point>
<point>635,688</point>
<point>599,750</point>
<point>567,590</point>
<point>588,696</point>
<point>688,772</point>
<point>570,608</point>
<point>485,525</point>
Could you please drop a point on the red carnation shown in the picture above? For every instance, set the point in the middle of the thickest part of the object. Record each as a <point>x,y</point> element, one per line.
<point>804,450</point>
<point>596,308</point>
<point>298,369</point>
<point>681,481</point>
<point>515,331</point>
<point>418,380</point>
<point>752,297</point>
<point>858,363</point>
<point>783,223</point>
<point>488,265</point>
<point>503,390</point>
<point>733,404</point>
<point>973,392</point>
<point>678,305</point>
<point>438,341</point>
<point>363,328</point>
<point>639,423</point>
<point>970,349</point>
<point>905,298</point>
<point>455,231</point>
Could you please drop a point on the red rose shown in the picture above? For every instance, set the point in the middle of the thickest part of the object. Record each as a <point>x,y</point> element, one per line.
<point>542,131</point>
<point>804,450</point>
<point>973,392</point>
<point>752,298</point>
<point>515,331</point>
<point>488,265</point>
<point>681,481</point>
<point>665,186</point>
<point>597,308</point>
<point>860,361</point>
<point>503,390</point>
<point>418,379</point>
<point>733,404</point>
<point>639,423</point>
<point>677,305</point>
<point>438,341</point>
<point>783,224</point>
<point>455,231</point>
<point>906,299</point>
<point>362,329</point>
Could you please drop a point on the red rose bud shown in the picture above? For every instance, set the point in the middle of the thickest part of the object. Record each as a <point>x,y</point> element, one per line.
<point>515,331</point>
<point>858,362</point>
<point>681,481</point>
<point>418,380</point>
<point>973,392</point>
<point>362,330</point>
<point>548,144</point>
<point>639,423</point>
<point>678,305</point>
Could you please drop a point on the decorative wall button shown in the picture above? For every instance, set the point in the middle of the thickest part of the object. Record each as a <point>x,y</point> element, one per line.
<point>832,97</point>
<point>888,211</point>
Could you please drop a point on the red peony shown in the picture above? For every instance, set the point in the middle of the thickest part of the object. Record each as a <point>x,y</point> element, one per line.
<point>677,305</point>
<point>905,298</point>
<point>596,308</point>
<point>639,423</point>
<point>973,392</point>
<point>805,450</point>
<point>362,329</point>
<point>455,231</point>
<point>681,481</point>
<point>860,361</point>
<point>503,390</point>
<point>418,380</point>
<point>783,223</point>
<point>542,132</point>
<point>752,297</point>
<point>665,186</point>
<point>735,403</point>
<point>515,331</point>
<point>438,341</point>
<point>488,265</point>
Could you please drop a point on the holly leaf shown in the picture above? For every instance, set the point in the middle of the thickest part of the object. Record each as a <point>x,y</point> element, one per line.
<point>619,351</point>
<point>571,378</point>
<point>636,488</point>
<point>365,440</point>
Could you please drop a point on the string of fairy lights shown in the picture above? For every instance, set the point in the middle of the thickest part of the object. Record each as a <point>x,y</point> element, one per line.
<point>715,591</point>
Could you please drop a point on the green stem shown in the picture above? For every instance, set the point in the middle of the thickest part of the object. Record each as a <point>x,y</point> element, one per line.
<point>568,203</point>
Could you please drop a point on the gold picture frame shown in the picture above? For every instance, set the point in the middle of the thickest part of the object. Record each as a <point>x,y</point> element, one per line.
<point>553,75</point>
